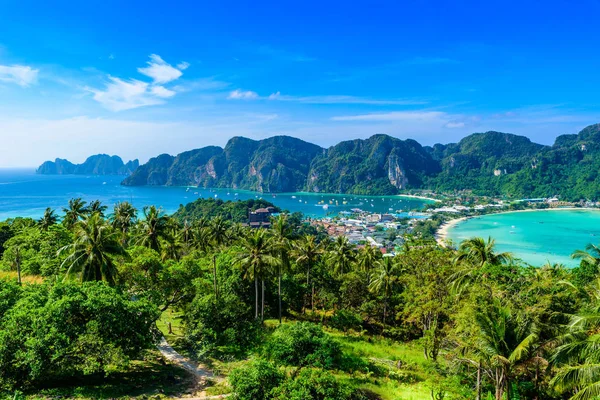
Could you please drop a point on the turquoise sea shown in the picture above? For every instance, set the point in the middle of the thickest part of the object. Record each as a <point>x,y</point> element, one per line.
<point>25,194</point>
<point>535,236</point>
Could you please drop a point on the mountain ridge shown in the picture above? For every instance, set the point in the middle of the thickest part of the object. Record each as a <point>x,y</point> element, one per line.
<point>98,164</point>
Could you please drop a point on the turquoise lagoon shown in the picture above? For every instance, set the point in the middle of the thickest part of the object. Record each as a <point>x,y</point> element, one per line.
<point>25,194</point>
<point>536,237</point>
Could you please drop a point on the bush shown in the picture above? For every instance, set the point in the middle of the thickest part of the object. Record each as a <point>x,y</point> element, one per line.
<point>345,320</point>
<point>303,344</point>
<point>317,385</point>
<point>69,330</point>
<point>255,381</point>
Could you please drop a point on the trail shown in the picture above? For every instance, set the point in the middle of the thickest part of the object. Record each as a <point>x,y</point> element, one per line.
<point>199,371</point>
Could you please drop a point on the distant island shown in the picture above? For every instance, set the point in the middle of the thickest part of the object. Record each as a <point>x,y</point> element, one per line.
<point>100,164</point>
<point>490,163</point>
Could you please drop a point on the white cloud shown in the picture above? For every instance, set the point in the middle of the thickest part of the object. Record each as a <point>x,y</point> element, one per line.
<point>160,71</point>
<point>242,95</point>
<point>161,91</point>
<point>342,99</point>
<point>455,124</point>
<point>125,94</point>
<point>183,65</point>
<point>21,75</point>
<point>122,95</point>
<point>394,116</point>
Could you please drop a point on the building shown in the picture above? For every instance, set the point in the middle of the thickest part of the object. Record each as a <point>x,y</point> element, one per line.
<point>260,218</point>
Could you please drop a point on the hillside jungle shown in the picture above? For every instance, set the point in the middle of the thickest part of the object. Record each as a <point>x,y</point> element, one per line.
<point>87,293</point>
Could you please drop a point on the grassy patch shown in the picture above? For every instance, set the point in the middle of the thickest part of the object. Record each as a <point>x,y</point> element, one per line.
<point>12,275</point>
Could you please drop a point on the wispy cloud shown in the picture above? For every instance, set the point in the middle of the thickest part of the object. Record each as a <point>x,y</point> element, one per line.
<point>161,71</point>
<point>21,75</point>
<point>183,65</point>
<point>126,94</point>
<point>242,95</point>
<point>342,99</point>
<point>394,116</point>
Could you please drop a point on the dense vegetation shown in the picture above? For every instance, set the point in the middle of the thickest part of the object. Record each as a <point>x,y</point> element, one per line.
<point>234,211</point>
<point>490,163</point>
<point>100,164</point>
<point>287,312</point>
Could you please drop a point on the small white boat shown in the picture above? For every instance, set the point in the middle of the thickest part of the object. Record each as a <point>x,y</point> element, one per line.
<point>293,197</point>
<point>325,207</point>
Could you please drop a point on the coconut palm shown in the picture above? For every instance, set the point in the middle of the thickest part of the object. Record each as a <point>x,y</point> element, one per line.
<point>590,256</point>
<point>308,252</point>
<point>367,258</point>
<point>282,233</point>
<point>383,279</point>
<point>256,259</point>
<point>96,206</point>
<point>90,254</point>
<point>218,230</point>
<point>154,227</point>
<point>123,218</point>
<point>74,212</point>
<point>473,255</point>
<point>50,218</point>
<point>341,255</point>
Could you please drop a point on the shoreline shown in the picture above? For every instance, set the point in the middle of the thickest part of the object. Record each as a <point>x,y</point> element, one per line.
<point>441,236</point>
<point>419,197</point>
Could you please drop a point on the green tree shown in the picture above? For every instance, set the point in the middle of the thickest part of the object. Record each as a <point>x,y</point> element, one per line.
<point>308,252</point>
<point>74,212</point>
<point>90,255</point>
<point>382,281</point>
<point>154,227</point>
<point>282,234</point>
<point>123,218</point>
<point>341,255</point>
<point>50,218</point>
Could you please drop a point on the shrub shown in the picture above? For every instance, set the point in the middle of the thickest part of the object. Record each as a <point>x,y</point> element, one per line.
<point>317,385</point>
<point>255,381</point>
<point>345,320</point>
<point>303,344</point>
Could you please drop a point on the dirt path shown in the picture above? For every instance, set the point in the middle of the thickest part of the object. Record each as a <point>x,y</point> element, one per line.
<point>200,371</point>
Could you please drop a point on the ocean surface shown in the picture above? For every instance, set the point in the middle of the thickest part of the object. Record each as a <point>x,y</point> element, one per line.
<point>25,194</point>
<point>537,236</point>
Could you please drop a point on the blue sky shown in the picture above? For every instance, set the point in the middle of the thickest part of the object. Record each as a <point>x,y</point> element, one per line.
<point>145,78</point>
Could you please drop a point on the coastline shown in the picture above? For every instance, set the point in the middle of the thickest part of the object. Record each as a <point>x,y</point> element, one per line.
<point>442,233</point>
<point>419,197</point>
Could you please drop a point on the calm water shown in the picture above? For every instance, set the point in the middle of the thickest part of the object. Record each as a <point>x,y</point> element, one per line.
<point>23,193</point>
<point>537,236</point>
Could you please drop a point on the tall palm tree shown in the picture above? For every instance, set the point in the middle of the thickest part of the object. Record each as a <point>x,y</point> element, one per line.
<point>96,206</point>
<point>218,229</point>
<point>383,279</point>
<point>123,218</point>
<point>74,212</point>
<point>154,227</point>
<point>341,255</point>
<point>367,258</point>
<point>282,233</point>
<point>256,259</point>
<point>50,218</point>
<point>91,251</point>
<point>308,252</point>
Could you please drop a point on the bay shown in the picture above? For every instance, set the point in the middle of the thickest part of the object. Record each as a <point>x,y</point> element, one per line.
<point>536,237</point>
<point>25,194</point>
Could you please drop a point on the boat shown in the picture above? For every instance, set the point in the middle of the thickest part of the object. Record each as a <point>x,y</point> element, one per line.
<point>325,207</point>
<point>293,197</point>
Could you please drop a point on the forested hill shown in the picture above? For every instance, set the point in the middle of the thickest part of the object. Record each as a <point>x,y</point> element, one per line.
<point>486,163</point>
<point>100,164</point>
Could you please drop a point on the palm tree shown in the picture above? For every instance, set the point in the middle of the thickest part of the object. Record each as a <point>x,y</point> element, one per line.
<point>50,218</point>
<point>367,257</point>
<point>90,253</point>
<point>123,218</point>
<point>341,255</point>
<point>256,258</point>
<point>383,279</point>
<point>74,212</point>
<point>590,256</point>
<point>308,252</point>
<point>473,255</point>
<point>154,227</point>
<point>96,206</point>
<point>219,236</point>
<point>578,353</point>
<point>282,233</point>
